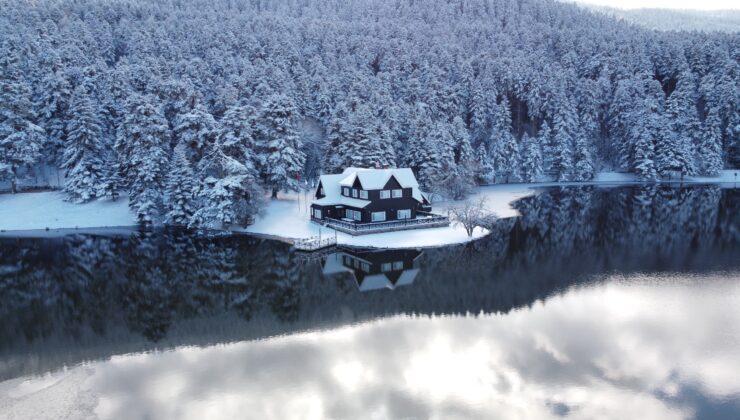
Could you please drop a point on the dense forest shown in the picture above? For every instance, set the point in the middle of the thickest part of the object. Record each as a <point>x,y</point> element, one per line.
<point>197,109</point>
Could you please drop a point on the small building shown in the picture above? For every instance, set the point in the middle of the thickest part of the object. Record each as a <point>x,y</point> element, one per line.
<point>366,197</point>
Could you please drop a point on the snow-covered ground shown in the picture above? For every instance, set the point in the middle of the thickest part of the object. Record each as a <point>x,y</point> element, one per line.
<point>285,218</point>
<point>42,210</point>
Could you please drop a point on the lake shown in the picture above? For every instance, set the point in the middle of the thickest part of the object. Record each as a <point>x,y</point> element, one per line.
<point>618,303</point>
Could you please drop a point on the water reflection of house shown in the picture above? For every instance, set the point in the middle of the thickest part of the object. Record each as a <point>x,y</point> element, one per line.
<point>375,269</point>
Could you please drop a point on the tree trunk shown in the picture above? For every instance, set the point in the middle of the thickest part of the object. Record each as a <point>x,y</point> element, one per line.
<point>13,180</point>
<point>274,192</point>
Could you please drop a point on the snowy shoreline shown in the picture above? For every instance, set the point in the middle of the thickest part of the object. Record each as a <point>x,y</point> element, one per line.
<point>46,214</point>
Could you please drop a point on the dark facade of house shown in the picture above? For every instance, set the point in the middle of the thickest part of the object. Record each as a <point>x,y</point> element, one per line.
<point>358,203</point>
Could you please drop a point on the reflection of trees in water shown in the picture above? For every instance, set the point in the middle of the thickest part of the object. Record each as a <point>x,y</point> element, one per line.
<point>82,286</point>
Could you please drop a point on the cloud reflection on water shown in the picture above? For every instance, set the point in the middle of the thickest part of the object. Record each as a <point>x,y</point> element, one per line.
<point>619,349</point>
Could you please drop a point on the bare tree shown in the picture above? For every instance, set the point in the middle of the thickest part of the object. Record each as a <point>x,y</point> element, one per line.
<point>473,213</point>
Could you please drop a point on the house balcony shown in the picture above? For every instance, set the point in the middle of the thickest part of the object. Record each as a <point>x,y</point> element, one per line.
<point>423,220</point>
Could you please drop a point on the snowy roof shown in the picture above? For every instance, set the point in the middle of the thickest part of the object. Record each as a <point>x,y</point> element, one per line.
<point>371,179</point>
<point>333,193</point>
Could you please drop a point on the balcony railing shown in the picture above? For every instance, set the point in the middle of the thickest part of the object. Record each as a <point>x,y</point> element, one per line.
<point>423,220</point>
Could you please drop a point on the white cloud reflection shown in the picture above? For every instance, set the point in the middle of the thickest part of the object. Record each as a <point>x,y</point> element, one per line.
<point>616,350</point>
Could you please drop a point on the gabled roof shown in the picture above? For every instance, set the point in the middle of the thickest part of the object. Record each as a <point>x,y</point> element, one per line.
<point>333,193</point>
<point>371,179</point>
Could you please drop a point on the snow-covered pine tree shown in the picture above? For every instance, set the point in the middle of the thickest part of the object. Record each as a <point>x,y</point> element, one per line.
<point>281,158</point>
<point>337,130</point>
<point>583,165</point>
<point>464,153</point>
<point>112,183</point>
<point>531,159</point>
<point>362,148</point>
<point>230,193</point>
<point>20,138</point>
<point>561,165</point>
<point>142,145</point>
<point>484,171</point>
<point>544,139</point>
<point>195,129</point>
<point>83,159</point>
<point>180,188</point>
<point>506,156</point>
<point>646,127</point>
<point>54,98</point>
<point>683,128</point>
<point>235,134</point>
<point>710,147</point>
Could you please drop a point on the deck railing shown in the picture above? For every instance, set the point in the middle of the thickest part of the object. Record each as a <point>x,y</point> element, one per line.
<point>423,220</point>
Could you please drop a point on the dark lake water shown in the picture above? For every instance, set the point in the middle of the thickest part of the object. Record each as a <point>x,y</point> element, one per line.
<point>618,303</point>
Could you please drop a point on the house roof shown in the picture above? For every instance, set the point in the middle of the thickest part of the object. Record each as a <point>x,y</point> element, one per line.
<point>333,193</point>
<point>371,179</point>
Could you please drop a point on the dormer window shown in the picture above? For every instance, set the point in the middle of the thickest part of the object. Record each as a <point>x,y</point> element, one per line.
<point>363,194</point>
<point>385,193</point>
<point>321,191</point>
<point>397,193</point>
<point>354,192</point>
<point>345,191</point>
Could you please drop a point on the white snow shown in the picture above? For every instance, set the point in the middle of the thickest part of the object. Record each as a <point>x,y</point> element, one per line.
<point>287,218</point>
<point>41,210</point>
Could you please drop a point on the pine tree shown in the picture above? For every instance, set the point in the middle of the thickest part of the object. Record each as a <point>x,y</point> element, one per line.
<point>229,193</point>
<point>235,135</point>
<point>583,166</point>
<point>645,131</point>
<point>464,154</point>
<point>180,188</point>
<point>282,160</point>
<point>561,163</point>
<point>710,148</point>
<point>484,173</point>
<point>20,139</point>
<point>83,156</point>
<point>683,129</point>
<point>56,95</point>
<point>195,129</point>
<point>112,183</point>
<point>531,159</point>
<point>142,148</point>
<point>504,147</point>
<point>362,146</point>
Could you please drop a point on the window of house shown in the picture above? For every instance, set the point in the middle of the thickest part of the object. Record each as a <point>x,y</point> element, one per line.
<point>366,267</point>
<point>321,191</point>
<point>353,214</point>
<point>317,213</point>
<point>385,194</point>
<point>404,214</point>
<point>398,265</point>
<point>345,191</point>
<point>354,192</point>
<point>378,216</point>
<point>386,267</point>
<point>363,194</point>
<point>397,193</point>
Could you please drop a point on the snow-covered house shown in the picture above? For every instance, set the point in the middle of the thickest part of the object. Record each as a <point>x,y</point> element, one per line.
<point>367,196</point>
